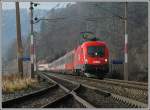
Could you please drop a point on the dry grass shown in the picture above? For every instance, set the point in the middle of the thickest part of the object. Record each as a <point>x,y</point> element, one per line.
<point>14,83</point>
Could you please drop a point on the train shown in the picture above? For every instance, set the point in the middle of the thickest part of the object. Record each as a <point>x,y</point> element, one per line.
<point>90,58</point>
<point>43,67</point>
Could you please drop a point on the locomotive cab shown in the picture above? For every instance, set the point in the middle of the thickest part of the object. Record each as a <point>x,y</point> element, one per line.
<point>93,58</point>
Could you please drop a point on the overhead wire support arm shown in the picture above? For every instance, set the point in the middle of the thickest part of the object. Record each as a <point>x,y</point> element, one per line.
<point>52,19</point>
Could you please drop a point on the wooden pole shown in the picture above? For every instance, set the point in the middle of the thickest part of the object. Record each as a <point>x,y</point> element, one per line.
<point>19,42</point>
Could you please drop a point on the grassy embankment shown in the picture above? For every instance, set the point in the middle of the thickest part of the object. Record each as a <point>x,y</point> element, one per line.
<point>14,82</point>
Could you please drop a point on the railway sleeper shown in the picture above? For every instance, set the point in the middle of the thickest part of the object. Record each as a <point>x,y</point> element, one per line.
<point>9,103</point>
<point>129,101</point>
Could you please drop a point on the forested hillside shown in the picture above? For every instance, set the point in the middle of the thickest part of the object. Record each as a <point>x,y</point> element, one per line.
<point>58,37</point>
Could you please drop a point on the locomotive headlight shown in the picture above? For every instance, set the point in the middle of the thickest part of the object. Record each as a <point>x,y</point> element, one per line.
<point>106,60</point>
<point>86,61</point>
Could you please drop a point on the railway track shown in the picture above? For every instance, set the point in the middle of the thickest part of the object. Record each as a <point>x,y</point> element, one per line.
<point>54,96</point>
<point>69,87</point>
<point>97,97</point>
<point>36,99</point>
<point>128,82</point>
<point>66,93</point>
<point>128,89</point>
<point>135,92</point>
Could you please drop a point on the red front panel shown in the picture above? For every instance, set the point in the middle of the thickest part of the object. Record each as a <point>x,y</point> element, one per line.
<point>97,60</point>
<point>82,56</point>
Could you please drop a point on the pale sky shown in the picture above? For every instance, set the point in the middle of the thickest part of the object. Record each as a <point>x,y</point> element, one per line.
<point>43,5</point>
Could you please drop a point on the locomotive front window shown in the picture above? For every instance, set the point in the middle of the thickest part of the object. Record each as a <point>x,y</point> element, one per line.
<point>96,51</point>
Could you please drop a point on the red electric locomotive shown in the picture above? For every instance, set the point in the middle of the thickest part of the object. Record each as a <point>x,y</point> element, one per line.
<point>91,58</point>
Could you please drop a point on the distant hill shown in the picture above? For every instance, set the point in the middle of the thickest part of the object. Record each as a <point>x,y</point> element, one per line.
<point>9,26</point>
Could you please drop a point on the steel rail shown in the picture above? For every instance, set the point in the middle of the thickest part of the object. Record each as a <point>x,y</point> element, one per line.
<point>56,101</point>
<point>9,103</point>
<point>120,98</point>
<point>135,85</point>
<point>129,101</point>
<point>87,86</point>
<point>129,82</point>
<point>117,97</point>
<point>144,88</point>
<point>12,102</point>
<point>59,99</point>
<point>79,99</point>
